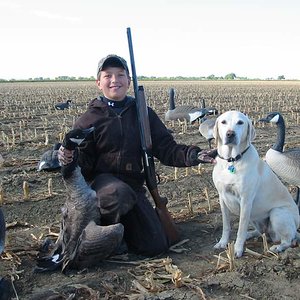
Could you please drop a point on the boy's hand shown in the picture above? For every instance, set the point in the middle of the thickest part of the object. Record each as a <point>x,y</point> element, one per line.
<point>65,156</point>
<point>207,156</point>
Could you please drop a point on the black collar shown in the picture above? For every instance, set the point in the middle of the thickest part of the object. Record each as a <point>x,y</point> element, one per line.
<point>114,104</point>
<point>233,159</point>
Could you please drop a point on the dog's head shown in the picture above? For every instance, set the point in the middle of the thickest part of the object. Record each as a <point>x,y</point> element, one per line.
<point>233,128</point>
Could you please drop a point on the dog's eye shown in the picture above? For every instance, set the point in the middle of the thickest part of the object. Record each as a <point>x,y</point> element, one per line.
<point>240,122</point>
<point>223,122</point>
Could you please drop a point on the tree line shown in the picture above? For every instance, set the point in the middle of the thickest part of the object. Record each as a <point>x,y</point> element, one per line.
<point>230,76</point>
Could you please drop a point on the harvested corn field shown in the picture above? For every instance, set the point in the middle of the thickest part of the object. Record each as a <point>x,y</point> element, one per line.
<point>31,200</point>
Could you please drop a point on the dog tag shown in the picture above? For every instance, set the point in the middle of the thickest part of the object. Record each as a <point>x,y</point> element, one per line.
<point>231,169</point>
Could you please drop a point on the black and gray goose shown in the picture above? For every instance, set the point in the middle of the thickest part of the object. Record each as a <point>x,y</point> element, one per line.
<point>286,164</point>
<point>183,112</point>
<point>82,241</point>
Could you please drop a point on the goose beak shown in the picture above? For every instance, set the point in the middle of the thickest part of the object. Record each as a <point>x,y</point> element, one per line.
<point>263,120</point>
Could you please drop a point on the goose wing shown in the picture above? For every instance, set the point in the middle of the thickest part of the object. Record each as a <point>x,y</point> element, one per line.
<point>293,155</point>
<point>97,243</point>
<point>285,164</point>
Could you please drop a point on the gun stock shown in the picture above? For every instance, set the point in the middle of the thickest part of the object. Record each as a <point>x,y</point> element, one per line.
<point>148,161</point>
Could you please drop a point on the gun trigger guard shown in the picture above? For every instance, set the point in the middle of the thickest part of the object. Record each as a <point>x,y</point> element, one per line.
<point>158,179</point>
<point>164,200</point>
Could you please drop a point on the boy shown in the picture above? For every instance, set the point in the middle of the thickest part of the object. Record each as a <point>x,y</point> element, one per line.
<point>112,160</point>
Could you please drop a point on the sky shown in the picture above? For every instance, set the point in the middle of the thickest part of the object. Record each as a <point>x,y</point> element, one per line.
<point>250,38</point>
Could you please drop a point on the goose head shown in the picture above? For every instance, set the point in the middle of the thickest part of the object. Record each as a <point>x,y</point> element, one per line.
<point>75,137</point>
<point>273,117</point>
<point>71,141</point>
<point>276,118</point>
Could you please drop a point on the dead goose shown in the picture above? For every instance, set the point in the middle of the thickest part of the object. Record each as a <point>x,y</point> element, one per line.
<point>49,160</point>
<point>2,232</point>
<point>82,242</point>
<point>183,112</point>
<point>207,123</point>
<point>286,164</point>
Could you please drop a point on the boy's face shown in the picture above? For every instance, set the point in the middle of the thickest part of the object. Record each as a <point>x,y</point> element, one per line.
<point>114,83</point>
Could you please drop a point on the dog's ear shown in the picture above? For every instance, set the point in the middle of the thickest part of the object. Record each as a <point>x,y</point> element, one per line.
<point>216,131</point>
<point>251,132</point>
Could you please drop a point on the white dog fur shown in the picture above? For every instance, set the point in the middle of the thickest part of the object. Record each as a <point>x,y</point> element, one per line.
<point>247,187</point>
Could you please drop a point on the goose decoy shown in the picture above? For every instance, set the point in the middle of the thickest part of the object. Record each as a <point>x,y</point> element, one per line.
<point>207,123</point>
<point>1,160</point>
<point>206,129</point>
<point>183,112</point>
<point>285,164</point>
<point>49,160</point>
<point>6,289</point>
<point>64,105</point>
<point>2,232</point>
<point>82,241</point>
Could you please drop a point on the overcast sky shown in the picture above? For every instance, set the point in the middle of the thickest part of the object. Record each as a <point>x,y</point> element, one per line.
<point>253,38</point>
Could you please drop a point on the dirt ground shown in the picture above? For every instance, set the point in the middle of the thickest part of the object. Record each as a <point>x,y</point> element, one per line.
<point>192,270</point>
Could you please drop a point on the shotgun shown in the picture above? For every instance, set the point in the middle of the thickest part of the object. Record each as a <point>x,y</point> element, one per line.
<point>148,160</point>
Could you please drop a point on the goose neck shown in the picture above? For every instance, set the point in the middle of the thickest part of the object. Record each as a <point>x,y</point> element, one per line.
<point>278,146</point>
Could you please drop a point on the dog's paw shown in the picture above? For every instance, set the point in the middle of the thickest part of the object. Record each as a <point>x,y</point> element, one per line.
<point>238,250</point>
<point>221,245</point>
<point>279,248</point>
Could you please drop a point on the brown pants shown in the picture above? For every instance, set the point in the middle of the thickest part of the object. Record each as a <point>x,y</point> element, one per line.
<point>118,202</point>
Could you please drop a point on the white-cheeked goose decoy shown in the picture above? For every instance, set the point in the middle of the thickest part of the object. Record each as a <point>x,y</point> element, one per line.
<point>63,105</point>
<point>82,241</point>
<point>207,123</point>
<point>284,163</point>
<point>182,112</point>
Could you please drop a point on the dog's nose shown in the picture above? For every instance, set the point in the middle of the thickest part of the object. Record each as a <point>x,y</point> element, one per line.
<point>230,134</point>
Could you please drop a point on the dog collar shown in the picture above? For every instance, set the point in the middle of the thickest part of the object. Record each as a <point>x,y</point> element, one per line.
<point>233,159</point>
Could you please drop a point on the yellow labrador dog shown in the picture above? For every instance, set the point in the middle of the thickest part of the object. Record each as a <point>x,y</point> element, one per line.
<point>247,187</point>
